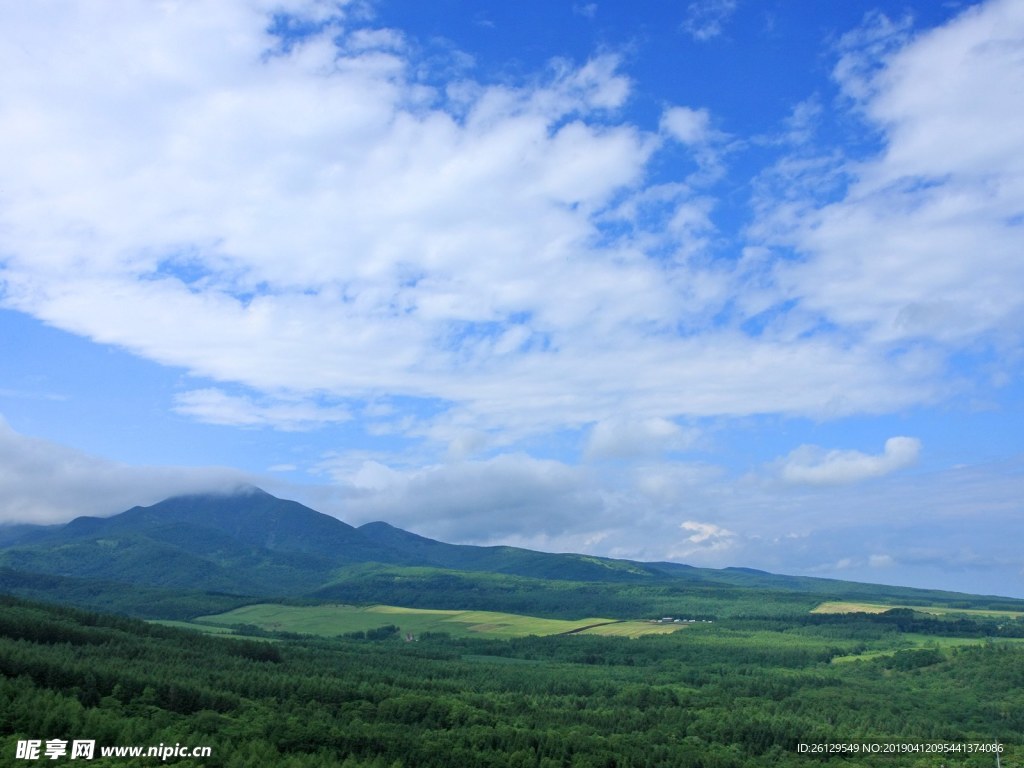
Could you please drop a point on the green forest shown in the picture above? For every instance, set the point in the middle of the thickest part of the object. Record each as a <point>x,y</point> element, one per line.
<point>746,691</point>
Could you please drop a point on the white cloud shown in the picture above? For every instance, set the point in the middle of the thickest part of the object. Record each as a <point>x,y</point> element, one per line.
<point>214,406</point>
<point>813,465</point>
<point>689,126</point>
<point>880,561</point>
<point>665,485</point>
<point>480,501</point>
<point>317,222</point>
<point>624,438</point>
<point>43,482</point>
<point>706,19</point>
<point>707,534</point>
<point>587,10</point>
<point>923,247</point>
<point>707,545</point>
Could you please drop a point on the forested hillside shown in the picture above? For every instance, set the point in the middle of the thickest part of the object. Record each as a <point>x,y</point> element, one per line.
<point>727,697</point>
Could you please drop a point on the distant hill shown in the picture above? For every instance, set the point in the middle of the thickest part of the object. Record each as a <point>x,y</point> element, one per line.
<point>420,550</point>
<point>215,548</point>
<point>248,542</point>
<point>251,542</point>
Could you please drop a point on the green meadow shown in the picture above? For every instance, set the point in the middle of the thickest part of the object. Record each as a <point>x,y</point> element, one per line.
<point>910,642</point>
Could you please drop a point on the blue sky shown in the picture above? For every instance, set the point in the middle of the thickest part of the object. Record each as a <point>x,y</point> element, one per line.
<point>724,282</point>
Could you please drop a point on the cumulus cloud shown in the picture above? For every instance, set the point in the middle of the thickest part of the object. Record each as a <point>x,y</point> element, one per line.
<point>689,126</point>
<point>44,482</point>
<point>813,465</point>
<point>921,246</point>
<point>302,219</point>
<point>707,534</point>
<point>707,545</point>
<point>308,217</point>
<point>479,501</point>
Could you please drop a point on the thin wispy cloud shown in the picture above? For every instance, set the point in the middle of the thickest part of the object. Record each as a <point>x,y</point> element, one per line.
<point>706,19</point>
<point>215,406</point>
<point>588,10</point>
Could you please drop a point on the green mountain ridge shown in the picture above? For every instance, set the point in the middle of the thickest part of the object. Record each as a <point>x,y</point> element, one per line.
<point>249,545</point>
<point>504,559</point>
<point>254,543</point>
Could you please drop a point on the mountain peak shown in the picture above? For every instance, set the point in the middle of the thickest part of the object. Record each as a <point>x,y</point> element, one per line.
<point>239,489</point>
<point>248,489</point>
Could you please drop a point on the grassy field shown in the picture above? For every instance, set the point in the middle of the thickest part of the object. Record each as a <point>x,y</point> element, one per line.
<point>849,607</point>
<point>331,620</point>
<point>208,629</point>
<point>633,629</point>
<point>910,642</point>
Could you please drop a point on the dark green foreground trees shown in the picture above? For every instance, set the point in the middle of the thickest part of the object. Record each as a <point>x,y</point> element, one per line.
<point>713,697</point>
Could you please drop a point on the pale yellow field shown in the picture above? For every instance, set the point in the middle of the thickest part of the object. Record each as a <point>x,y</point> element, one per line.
<point>332,620</point>
<point>851,607</point>
<point>837,607</point>
<point>633,629</point>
